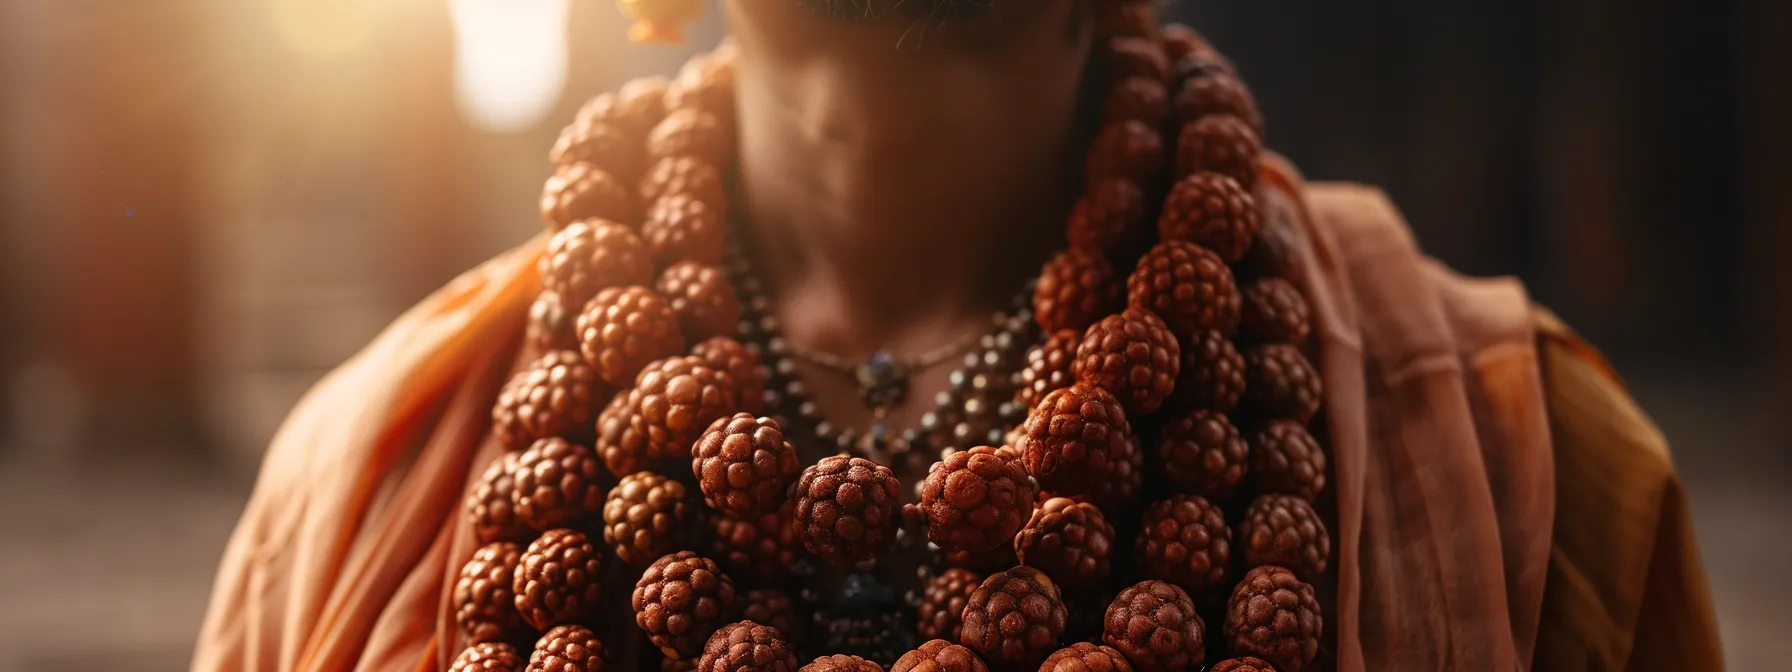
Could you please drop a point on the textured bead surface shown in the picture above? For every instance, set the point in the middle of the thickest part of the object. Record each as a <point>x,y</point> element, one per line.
<point>1210,210</point>
<point>1086,657</point>
<point>1139,99</point>
<point>942,603</point>
<point>489,506</point>
<point>1154,624</point>
<point>1075,289</point>
<point>691,132</point>
<point>634,108</point>
<point>1285,530</point>
<point>557,579</point>
<point>1202,453</point>
<point>1285,458</point>
<point>674,400</point>
<point>1124,57</point>
<point>568,648</point>
<point>1127,150</point>
<point>1133,355</point>
<point>726,354</point>
<point>687,175</point>
<point>1217,94</point>
<point>682,226</point>
<point>841,663</point>
<point>1281,383</point>
<point>487,657</point>
<point>680,600</point>
<point>1074,438</point>
<point>1274,616</point>
<point>764,547</point>
<point>1188,286</point>
<point>484,604</point>
<point>1219,143</point>
<point>1013,621</point>
<point>772,607</point>
<point>702,297</point>
<point>557,483</point>
<point>1111,216</point>
<point>1212,377</point>
<point>602,145</point>
<point>1068,540</point>
<point>550,326</point>
<point>747,647</point>
<point>582,191</point>
<point>743,465</point>
<point>939,656</point>
<point>1274,312</point>
<point>1244,664</point>
<point>975,500</point>
<point>624,328</point>
<point>846,509</point>
<point>553,396</point>
<point>1184,540</point>
<point>1048,367</point>
<point>646,516</point>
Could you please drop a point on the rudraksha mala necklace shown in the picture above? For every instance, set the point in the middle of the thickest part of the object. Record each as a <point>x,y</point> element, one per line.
<point>651,346</point>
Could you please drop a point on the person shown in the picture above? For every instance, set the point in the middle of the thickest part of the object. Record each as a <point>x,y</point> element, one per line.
<point>869,182</point>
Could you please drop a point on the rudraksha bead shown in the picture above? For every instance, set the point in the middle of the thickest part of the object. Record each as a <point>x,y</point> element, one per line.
<point>682,226</point>
<point>1111,217</point>
<point>1068,540</point>
<point>1285,458</point>
<point>558,579</point>
<point>558,482</point>
<point>1014,619</point>
<point>484,604</point>
<point>1274,616</point>
<point>942,603</point>
<point>1281,383</point>
<point>680,600</point>
<point>1073,439</point>
<point>1202,453</point>
<point>975,500</point>
<point>1188,286</point>
<point>1075,289</point>
<point>624,328</point>
<point>1285,530</point>
<point>1184,540</point>
<point>1128,150</point>
<point>1133,355</point>
<point>702,297</point>
<point>1274,312</point>
<point>743,465</point>
<point>646,516</point>
<point>846,509</point>
<point>1217,94</point>
<point>554,396</point>
<point>1210,210</point>
<point>582,191</point>
<point>1154,624</point>
<point>1219,143</point>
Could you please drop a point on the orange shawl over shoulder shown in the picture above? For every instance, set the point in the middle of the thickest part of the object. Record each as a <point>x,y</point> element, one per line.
<point>1499,502</point>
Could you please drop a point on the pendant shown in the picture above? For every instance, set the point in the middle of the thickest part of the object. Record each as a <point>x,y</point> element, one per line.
<point>883,381</point>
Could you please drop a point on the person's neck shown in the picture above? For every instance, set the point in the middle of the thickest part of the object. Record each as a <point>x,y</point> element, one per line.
<point>894,193</point>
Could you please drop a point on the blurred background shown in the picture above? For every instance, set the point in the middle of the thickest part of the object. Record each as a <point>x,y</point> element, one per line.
<point>206,204</point>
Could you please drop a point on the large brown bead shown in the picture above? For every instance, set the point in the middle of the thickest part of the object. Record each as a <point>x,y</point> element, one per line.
<point>633,109</point>
<point>557,483</point>
<point>1075,289</point>
<point>1180,40</point>
<point>1154,624</point>
<point>568,648</point>
<point>484,604</point>
<point>1014,619</point>
<point>773,607</point>
<point>688,175</point>
<point>1202,453</point>
<point>1128,150</point>
<point>624,328</point>
<point>1048,367</point>
<point>747,647</point>
<point>646,516</point>
<point>764,547</point>
<point>692,132</point>
<point>846,509</point>
<point>1212,377</point>
<point>1280,383</point>
<point>1219,143</point>
<point>1086,657</point>
<point>1217,94</point>
<point>489,506</point>
<point>975,500</point>
<point>557,579</point>
<point>939,656</point>
<point>942,603</point>
<point>743,465</point>
<point>1210,210</point>
<point>1133,355</point>
<point>603,145</point>
<point>1123,57</point>
<point>1073,439</point>
<point>1274,312</point>
<point>726,354</point>
<point>582,191</point>
<point>1068,540</point>
<point>487,657</point>
<point>1243,664</point>
<point>702,297</point>
<point>680,600</point>
<point>1137,99</point>
<point>1112,216</point>
<point>1188,286</point>
<point>1285,458</point>
<point>1184,540</point>
<point>1285,530</point>
<point>673,401</point>
<point>685,227</point>
<point>1273,615</point>
<point>551,323</point>
<point>841,663</point>
<point>554,396</point>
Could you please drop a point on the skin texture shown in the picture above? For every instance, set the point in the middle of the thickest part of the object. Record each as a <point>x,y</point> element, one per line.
<point>903,172</point>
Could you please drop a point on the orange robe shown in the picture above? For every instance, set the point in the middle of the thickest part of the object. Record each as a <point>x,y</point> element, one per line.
<point>1499,501</point>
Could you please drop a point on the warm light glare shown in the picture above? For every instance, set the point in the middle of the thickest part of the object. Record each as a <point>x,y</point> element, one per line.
<point>509,60</point>
<point>324,27</point>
